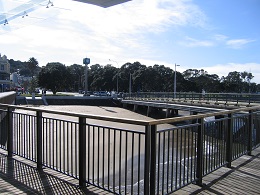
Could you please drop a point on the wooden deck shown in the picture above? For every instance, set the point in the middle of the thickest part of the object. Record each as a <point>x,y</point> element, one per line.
<point>242,178</point>
<point>20,176</point>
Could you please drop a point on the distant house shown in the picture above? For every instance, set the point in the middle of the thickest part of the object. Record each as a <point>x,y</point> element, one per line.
<point>14,78</point>
<point>4,73</point>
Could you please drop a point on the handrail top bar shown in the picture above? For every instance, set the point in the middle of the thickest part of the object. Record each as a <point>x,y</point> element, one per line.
<point>134,121</point>
<point>176,119</point>
<point>89,116</point>
<point>252,94</point>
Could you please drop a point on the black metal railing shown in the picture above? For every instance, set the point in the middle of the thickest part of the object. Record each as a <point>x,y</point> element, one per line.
<point>152,157</point>
<point>234,98</point>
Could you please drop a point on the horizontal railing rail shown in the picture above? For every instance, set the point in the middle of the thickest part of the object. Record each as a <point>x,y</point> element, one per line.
<point>234,98</point>
<point>148,158</point>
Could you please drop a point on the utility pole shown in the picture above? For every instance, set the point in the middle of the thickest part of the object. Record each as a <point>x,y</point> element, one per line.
<point>86,61</point>
<point>174,90</point>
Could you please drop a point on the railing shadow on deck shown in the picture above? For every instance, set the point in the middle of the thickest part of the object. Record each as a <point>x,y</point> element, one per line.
<point>21,177</point>
<point>246,166</point>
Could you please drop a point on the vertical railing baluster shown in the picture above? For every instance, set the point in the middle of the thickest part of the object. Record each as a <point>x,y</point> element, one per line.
<point>199,170</point>
<point>10,131</point>
<point>39,139</point>
<point>132,163</point>
<point>229,141</point>
<point>82,151</point>
<point>153,160</point>
<point>147,160</point>
<point>226,98</point>
<point>250,131</point>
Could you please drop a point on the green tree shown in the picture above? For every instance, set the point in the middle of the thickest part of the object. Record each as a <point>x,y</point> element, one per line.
<point>193,73</point>
<point>33,85</point>
<point>247,77</point>
<point>19,67</point>
<point>94,78</point>
<point>257,88</point>
<point>32,65</point>
<point>77,73</point>
<point>55,76</point>
<point>164,77</point>
<point>124,75</point>
<point>109,78</point>
<point>139,78</point>
<point>232,82</point>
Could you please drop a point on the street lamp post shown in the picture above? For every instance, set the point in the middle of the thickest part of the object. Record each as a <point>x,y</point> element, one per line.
<point>130,84</point>
<point>175,81</point>
<point>86,61</point>
<point>116,74</point>
<point>86,79</point>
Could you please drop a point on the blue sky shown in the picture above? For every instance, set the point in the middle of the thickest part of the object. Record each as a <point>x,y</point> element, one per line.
<point>218,36</point>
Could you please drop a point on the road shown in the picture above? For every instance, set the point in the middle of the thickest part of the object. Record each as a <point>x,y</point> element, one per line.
<point>65,93</point>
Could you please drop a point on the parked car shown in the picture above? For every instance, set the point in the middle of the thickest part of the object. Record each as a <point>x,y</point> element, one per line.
<point>102,93</point>
<point>89,93</point>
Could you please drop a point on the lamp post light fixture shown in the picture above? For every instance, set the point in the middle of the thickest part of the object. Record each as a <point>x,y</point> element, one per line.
<point>175,81</point>
<point>116,74</point>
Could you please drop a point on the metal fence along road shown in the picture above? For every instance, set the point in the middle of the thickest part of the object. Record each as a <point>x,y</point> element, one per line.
<point>218,98</point>
<point>142,160</point>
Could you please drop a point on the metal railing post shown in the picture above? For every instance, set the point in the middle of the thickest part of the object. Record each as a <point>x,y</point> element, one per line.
<point>250,131</point>
<point>199,171</point>
<point>229,141</point>
<point>82,152</point>
<point>226,98</point>
<point>10,132</point>
<point>147,160</point>
<point>153,160</point>
<point>257,129</point>
<point>39,139</point>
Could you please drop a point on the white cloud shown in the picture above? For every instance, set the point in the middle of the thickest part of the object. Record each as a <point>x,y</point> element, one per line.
<point>238,43</point>
<point>224,69</point>
<point>71,30</point>
<point>191,42</point>
<point>220,37</point>
<point>136,16</point>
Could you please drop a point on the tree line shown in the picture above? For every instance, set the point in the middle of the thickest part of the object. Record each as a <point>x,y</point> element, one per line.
<point>157,78</point>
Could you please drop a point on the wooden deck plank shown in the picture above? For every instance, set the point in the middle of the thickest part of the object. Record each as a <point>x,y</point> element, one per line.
<point>242,178</point>
<point>20,176</point>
